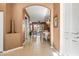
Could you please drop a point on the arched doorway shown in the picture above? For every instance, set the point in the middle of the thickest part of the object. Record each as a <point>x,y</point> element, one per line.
<point>38,22</point>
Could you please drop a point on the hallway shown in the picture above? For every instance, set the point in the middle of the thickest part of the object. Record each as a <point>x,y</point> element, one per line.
<point>24,20</point>
<point>32,48</point>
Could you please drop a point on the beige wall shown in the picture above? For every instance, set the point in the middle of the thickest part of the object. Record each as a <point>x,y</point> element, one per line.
<point>2,6</point>
<point>56,36</point>
<point>15,11</point>
<point>8,15</point>
<point>18,13</point>
<point>18,16</point>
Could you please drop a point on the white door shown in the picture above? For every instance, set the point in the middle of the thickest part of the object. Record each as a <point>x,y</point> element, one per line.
<point>1,31</point>
<point>74,46</point>
<point>65,13</point>
<point>69,29</point>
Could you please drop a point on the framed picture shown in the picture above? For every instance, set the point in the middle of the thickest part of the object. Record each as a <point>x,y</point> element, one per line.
<point>55,22</point>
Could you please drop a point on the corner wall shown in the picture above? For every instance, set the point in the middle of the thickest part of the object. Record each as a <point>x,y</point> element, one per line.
<point>56,31</point>
<point>18,15</point>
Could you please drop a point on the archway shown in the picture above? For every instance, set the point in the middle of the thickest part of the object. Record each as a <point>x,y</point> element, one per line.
<point>38,16</point>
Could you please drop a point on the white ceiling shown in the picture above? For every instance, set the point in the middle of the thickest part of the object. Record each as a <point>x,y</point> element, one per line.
<point>38,13</point>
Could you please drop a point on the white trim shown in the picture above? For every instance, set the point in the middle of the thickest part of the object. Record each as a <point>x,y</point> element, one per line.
<point>61,30</point>
<point>51,46</point>
<point>51,27</point>
<point>60,54</point>
<point>1,30</point>
<point>55,53</point>
<point>12,49</point>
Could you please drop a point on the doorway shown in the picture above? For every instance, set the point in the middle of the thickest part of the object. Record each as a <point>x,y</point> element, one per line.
<point>37,24</point>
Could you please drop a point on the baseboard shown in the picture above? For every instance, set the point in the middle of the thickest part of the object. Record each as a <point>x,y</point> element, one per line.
<point>59,53</point>
<point>12,49</point>
<point>55,53</point>
<point>51,47</point>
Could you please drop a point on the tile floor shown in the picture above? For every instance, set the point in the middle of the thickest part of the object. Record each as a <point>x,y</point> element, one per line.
<point>34,47</point>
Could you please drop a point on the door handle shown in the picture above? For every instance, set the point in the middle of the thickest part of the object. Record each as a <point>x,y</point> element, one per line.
<point>74,41</point>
